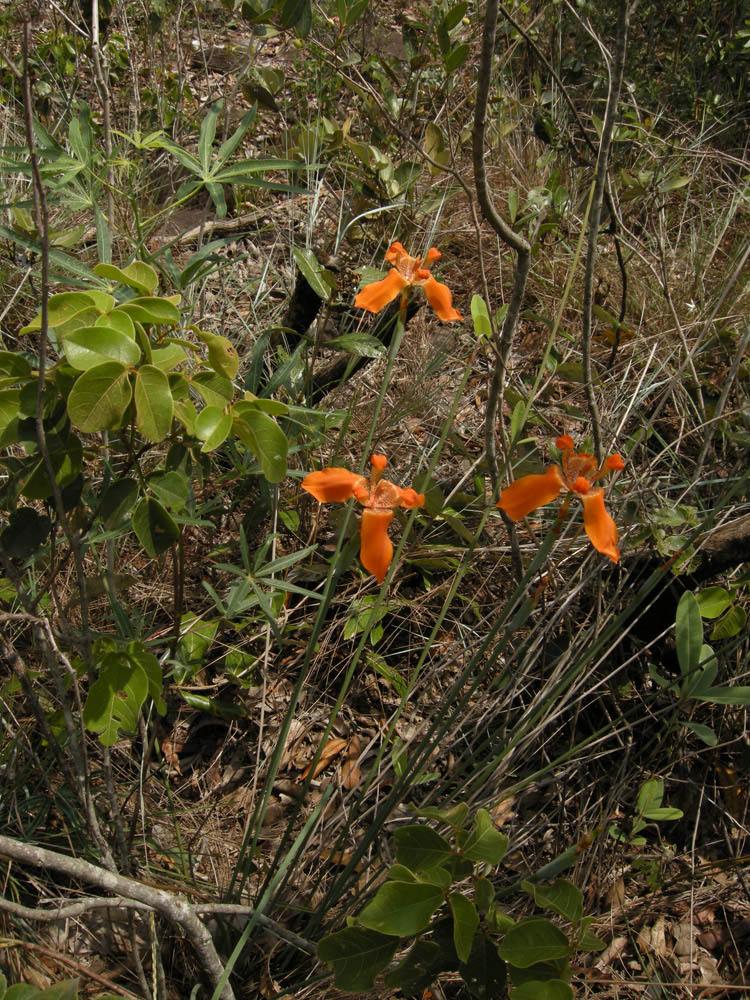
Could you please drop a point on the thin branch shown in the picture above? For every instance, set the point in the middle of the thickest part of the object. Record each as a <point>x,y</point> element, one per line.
<point>512,239</point>
<point>173,907</point>
<point>602,162</point>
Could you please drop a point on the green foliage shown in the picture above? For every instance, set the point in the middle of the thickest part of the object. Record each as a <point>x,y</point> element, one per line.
<point>456,929</point>
<point>64,990</point>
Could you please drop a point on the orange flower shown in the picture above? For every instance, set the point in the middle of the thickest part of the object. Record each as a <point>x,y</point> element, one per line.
<point>406,272</point>
<point>378,496</point>
<point>579,470</point>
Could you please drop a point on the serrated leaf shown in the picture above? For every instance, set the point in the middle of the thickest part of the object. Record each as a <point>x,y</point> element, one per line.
<point>100,397</point>
<point>115,699</point>
<point>154,406</point>
<point>531,941</point>
<point>402,908</point>
<point>95,345</point>
<point>465,923</point>
<point>357,956</point>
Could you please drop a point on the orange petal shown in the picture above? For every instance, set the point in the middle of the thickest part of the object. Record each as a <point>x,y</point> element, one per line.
<point>410,498</point>
<point>328,485</point>
<point>600,527</point>
<point>440,298</point>
<point>530,492</point>
<point>394,252</point>
<point>565,442</point>
<point>614,462</point>
<point>376,550</point>
<point>377,295</point>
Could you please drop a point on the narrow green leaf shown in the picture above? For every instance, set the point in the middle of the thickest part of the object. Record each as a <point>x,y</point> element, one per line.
<point>312,271</point>
<point>465,923</point>
<point>480,316</point>
<point>726,696</point>
<point>206,138</point>
<point>688,633</point>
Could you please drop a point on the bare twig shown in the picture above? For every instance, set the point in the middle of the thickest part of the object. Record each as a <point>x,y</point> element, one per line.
<point>173,907</point>
<point>600,180</point>
<point>512,239</point>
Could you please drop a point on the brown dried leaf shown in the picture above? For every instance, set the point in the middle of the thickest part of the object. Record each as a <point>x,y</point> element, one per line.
<point>503,811</point>
<point>350,773</point>
<point>330,751</point>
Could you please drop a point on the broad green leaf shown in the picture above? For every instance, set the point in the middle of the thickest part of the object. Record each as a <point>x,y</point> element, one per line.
<point>465,923</point>
<point>485,973</point>
<point>533,940</point>
<point>419,847</point>
<point>138,275</point>
<point>550,989</point>
<point>171,487</point>
<point>25,533</point>
<point>222,354</point>
<point>312,271</point>
<point>688,633</point>
<point>167,358</point>
<point>485,842</point>
<point>663,813</point>
<point>726,696</point>
<point>704,733</point>
<point>151,311</point>
<point>357,956</point>
<point>153,403</point>
<point>115,699</point>
<point>481,317</point>
<point>153,526</point>
<point>457,57</point>
<point>13,364</point>
<point>650,796</point>
<point>731,624</point>
<point>196,635</point>
<point>484,893</point>
<point>358,343</point>
<point>94,345</point>
<point>402,908</point>
<point>562,897</point>
<point>713,601</point>
<point>590,942</point>
<point>454,816</point>
<point>103,301</point>
<point>117,502</point>
<point>119,321</point>
<point>61,308</point>
<point>263,436</point>
<point>100,397</point>
<point>66,455</point>
<point>418,968</point>
<point>673,183</point>
<point>9,403</point>
<point>213,426</point>
<point>149,664</point>
<point>215,389</point>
